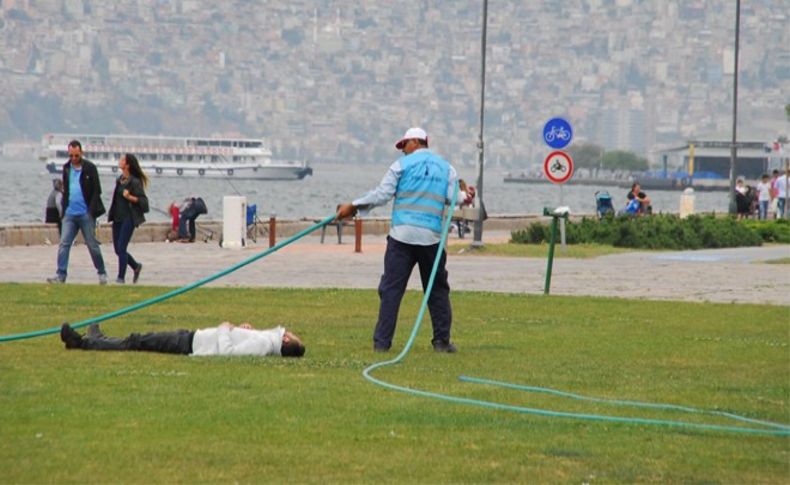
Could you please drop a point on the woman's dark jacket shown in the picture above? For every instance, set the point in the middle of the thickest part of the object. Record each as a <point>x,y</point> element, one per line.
<point>135,187</point>
<point>90,184</point>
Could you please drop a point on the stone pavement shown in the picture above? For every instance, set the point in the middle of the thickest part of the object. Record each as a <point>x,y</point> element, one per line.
<point>723,275</point>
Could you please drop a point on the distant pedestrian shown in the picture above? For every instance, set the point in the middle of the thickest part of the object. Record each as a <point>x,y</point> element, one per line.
<point>782,194</point>
<point>129,203</point>
<point>190,209</point>
<point>54,210</point>
<point>82,205</point>
<point>764,196</point>
<point>421,183</point>
<point>774,192</point>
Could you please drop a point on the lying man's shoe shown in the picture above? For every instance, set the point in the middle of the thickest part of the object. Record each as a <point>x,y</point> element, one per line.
<point>444,346</point>
<point>70,337</point>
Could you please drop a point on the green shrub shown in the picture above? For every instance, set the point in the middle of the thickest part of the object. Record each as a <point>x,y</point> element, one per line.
<point>772,230</point>
<point>662,231</point>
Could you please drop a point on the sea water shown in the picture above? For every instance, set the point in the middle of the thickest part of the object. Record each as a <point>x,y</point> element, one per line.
<point>25,185</point>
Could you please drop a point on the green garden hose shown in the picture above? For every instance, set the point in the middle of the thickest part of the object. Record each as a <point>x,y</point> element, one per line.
<point>778,429</point>
<point>171,294</point>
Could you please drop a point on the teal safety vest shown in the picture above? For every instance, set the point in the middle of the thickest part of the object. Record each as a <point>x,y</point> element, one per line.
<point>422,191</point>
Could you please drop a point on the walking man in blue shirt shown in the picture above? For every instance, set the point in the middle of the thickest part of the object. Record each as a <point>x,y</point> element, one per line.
<point>421,183</point>
<point>82,204</point>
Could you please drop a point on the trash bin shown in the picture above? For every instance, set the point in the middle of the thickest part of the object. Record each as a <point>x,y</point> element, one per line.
<point>687,203</point>
<point>234,221</point>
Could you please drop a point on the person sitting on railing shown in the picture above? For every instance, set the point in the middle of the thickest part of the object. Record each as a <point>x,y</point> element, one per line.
<point>189,210</point>
<point>638,202</point>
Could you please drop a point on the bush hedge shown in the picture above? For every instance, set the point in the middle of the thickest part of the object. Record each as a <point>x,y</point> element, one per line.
<point>663,231</point>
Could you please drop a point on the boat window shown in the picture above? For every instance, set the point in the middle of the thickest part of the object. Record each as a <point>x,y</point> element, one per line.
<point>236,158</point>
<point>214,143</point>
<point>62,154</point>
<point>226,143</point>
<point>214,158</point>
<point>167,157</point>
<point>179,158</point>
<point>190,158</point>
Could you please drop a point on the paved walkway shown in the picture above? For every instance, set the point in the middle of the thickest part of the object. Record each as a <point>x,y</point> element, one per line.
<point>724,275</point>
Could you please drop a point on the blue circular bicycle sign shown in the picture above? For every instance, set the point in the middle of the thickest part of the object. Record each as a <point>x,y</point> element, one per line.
<point>557,133</point>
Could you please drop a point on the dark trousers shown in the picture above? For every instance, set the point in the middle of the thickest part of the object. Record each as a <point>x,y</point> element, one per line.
<point>177,342</point>
<point>53,215</point>
<point>121,236</point>
<point>399,260</point>
<point>187,218</point>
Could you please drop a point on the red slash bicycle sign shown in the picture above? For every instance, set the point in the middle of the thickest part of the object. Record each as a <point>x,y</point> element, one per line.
<point>558,167</point>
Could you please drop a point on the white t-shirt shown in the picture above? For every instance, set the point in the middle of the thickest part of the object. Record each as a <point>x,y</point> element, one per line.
<point>764,191</point>
<point>237,341</point>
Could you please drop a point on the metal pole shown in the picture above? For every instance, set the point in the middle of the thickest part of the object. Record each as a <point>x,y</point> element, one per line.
<point>478,232</point>
<point>734,149</point>
<point>550,261</point>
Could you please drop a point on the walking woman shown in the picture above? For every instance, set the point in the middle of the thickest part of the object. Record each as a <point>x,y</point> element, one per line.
<point>129,203</point>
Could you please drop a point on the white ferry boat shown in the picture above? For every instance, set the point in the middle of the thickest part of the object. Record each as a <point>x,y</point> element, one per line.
<point>240,158</point>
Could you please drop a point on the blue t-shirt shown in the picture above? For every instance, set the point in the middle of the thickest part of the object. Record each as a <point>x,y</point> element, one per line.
<point>77,205</point>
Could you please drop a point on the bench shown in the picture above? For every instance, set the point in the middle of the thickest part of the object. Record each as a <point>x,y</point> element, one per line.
<point>339,225</point>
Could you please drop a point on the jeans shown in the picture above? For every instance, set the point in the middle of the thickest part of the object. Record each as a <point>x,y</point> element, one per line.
<point>71,226</point>
<point>121,235</point>
<point>399,260</point>
<point>763,209</point>
<point>188,217</point>
<point>780,207</point>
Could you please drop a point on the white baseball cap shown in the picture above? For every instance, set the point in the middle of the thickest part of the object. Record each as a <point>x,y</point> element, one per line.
<point>411,134</point>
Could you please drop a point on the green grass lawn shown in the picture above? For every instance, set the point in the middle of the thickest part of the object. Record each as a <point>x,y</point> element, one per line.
<point>76,417</point>
<point>535,250</point>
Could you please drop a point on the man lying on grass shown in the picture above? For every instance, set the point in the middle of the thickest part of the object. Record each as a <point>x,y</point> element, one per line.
<point>226,339</point>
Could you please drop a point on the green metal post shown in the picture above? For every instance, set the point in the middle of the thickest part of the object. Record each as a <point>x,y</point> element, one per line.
<point>551,250</point>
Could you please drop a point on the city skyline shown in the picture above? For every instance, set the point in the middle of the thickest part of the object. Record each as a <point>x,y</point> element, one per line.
<point>334,80</point>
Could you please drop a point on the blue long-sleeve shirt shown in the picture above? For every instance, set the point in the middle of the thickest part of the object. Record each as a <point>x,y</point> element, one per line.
<point>386,190</point>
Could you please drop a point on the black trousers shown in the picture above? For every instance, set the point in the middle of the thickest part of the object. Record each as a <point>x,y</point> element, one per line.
<point>177,342</point>
<point>399,261</point>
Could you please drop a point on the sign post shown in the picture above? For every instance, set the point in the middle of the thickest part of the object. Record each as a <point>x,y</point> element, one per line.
<point>558,166</point>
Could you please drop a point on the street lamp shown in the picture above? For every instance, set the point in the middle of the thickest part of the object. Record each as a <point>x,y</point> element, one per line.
<point>478,229</point>
<point>733,148</point>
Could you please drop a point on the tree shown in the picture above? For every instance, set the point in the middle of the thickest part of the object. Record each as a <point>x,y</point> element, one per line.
<point>787,111</point>
<point>586,155</point>
<point>624,160</point>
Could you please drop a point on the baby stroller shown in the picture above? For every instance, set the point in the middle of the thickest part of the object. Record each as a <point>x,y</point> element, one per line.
<point>603,204</point>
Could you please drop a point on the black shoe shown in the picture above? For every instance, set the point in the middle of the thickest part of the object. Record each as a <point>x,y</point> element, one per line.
<point>137,273</point>
<point>444,346</point>
<point>94,331</point>
<point>70,337</point>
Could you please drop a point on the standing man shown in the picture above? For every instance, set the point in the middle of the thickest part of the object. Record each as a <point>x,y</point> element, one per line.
<point>82,204</point>
<point>421,183</point>
<point>781,185</point>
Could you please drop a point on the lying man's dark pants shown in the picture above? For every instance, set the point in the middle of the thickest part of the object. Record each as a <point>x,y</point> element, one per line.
<point>178,342</point>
